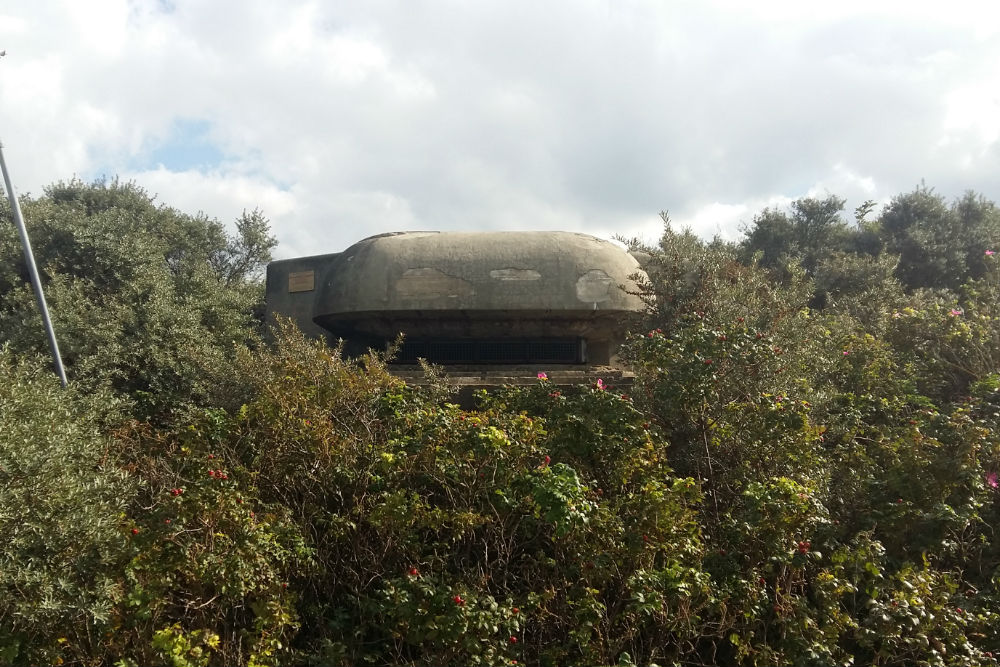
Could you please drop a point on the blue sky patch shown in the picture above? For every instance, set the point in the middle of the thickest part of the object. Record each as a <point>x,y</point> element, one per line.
<point>188,146</point>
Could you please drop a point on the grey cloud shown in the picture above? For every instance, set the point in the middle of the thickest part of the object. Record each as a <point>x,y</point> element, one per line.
<point>579,115</point>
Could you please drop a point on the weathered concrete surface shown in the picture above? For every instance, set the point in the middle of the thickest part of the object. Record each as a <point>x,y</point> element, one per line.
<point>463,285</point>
<point>479,271</point>
<point>286,292</point>
<point>475,284</point>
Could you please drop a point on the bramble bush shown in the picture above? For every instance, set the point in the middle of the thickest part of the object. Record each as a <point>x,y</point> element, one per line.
<point>557,525</point>
<point>443,536</point>
<point>803,470</point>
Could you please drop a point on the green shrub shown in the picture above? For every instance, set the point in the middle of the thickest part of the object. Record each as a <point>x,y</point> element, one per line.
<point>62,503</point>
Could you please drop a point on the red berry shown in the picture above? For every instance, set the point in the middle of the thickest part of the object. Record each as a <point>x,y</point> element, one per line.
<point>211,456</point>
<point>414,572</point>
<point>708,362</point>
<point>516,610</point>
<point>135,531</point>
<point>548,459</point>
<point>762,581</point>
<point>513,640</point>
<point>458,600</point>
<point>211,473</point>
<point>284,584</point>
<point>166,521</point>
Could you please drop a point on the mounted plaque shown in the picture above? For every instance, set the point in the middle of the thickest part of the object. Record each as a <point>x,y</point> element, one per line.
<point>302,281</point>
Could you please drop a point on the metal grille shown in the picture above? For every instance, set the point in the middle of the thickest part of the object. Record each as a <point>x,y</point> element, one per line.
<point>495,351</point>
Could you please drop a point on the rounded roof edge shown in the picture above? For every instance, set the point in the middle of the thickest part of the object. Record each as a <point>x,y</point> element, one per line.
<point>495,271</point>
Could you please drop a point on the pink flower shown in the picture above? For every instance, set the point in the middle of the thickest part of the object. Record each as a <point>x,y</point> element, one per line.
<point>989,253</point>
<point>600,384</point>
<point>542,375</point>
<point>991,480</point>
<point>846,353</point>
<point>954,312</point>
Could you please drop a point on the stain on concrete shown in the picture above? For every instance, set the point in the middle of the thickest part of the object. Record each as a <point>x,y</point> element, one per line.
<point>594,286</point>
<point>515,274</point>
<point>430,283</point>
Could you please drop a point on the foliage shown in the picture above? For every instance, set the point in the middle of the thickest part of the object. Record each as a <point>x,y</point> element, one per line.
<point>803,469</point>
<point>812,230</point>
<point>62,496</point>
<point>449,537</point>
<point>210,562</point>
<point>938,245</point>
<point>146,301</point>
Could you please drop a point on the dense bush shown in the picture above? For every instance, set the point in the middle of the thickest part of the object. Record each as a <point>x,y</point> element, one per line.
<point>146,301</point>
<point>62,496</point>
<point>803,470</point>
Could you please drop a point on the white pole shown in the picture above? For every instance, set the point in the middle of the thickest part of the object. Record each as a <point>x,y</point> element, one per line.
<point>29,258</point>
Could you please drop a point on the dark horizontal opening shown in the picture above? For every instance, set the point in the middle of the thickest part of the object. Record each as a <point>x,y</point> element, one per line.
<point>494,351</point>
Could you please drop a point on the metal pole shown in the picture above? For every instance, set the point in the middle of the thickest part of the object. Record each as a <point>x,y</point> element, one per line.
<point>29,258</point>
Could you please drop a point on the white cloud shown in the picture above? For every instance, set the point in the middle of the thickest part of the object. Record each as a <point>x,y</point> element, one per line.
<point>222,195</point>
<point>347,119</point>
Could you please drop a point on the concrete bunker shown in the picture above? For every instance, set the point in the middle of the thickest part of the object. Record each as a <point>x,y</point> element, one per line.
<point>473,299</point>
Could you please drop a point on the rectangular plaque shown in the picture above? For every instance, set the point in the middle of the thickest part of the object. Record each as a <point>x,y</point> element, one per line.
<point>302,281</point>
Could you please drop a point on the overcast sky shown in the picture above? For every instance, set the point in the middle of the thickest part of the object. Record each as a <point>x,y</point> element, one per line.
<point>343,119</point>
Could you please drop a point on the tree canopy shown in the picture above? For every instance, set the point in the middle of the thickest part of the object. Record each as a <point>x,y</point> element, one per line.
<point>146,300</point>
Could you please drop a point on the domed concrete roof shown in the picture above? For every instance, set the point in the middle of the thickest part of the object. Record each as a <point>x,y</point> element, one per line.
<point>434,272</point>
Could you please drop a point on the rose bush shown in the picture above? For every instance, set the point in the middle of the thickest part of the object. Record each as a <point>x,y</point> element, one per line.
<point>803,470</point>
